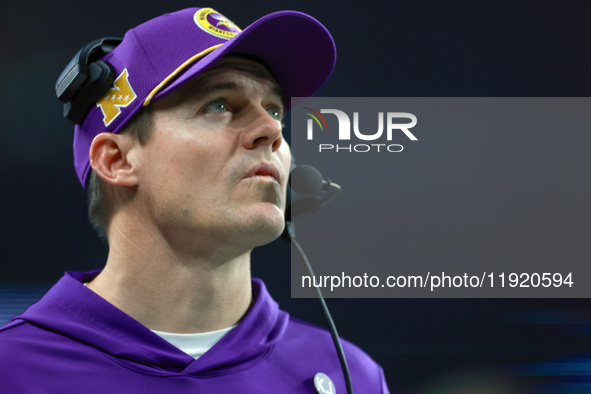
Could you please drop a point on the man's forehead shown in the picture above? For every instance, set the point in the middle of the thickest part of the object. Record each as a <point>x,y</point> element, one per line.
<point>257,67</point>
<point>210,78</point>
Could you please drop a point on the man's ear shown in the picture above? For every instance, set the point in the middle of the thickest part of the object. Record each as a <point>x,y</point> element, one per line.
<point>109,158</point>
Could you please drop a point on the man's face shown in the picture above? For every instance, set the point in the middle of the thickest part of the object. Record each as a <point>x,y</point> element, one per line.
<point>215,170</point>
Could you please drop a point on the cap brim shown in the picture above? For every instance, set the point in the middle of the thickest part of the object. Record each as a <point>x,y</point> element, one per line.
<point>299,50</point>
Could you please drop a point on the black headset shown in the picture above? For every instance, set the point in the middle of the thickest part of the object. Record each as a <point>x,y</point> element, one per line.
<point>86,78</point>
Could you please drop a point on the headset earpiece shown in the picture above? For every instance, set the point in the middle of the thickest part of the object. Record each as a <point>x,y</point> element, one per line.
<point>86,78</point>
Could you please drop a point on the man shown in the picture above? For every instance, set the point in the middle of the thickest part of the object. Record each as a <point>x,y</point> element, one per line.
<point>187,171</point>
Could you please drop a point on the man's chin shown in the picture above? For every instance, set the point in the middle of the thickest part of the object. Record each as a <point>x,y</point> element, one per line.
<point>265,227</point>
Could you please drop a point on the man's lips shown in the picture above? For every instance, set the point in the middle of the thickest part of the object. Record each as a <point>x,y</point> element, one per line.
<point>264,169</point>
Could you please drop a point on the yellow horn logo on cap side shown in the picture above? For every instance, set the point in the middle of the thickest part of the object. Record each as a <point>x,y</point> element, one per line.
<point>119,96</point>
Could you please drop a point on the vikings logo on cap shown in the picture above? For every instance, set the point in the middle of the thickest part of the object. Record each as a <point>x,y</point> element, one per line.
<point>214,23</point>
<point>119,96</point>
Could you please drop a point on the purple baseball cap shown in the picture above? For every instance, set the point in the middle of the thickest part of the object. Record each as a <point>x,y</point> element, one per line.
<point>160,55</point>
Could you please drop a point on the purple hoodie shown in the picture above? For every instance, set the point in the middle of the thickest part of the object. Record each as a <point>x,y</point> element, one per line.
<point>74,341</point>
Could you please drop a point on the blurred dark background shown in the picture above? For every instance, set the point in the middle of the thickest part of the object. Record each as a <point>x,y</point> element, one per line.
<point>411,48</point>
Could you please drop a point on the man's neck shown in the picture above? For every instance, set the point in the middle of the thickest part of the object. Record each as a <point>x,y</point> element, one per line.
<point>174,292</point>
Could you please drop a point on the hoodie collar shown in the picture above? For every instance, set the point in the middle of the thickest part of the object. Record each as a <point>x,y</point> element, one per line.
<point>71,309</point>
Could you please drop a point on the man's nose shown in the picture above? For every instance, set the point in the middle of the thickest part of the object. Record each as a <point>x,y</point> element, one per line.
<point>262,130</point>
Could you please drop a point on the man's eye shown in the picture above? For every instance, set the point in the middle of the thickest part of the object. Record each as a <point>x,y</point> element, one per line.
<point>215,106</point>
<point>275,113</point>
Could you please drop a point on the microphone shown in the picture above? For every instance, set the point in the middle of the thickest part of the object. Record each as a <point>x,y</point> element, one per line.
<point>310,191</point>
<point>306,180</point>
<point>316,190</point>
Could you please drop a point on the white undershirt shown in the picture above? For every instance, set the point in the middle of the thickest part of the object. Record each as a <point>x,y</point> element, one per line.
<point>194,345</point>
